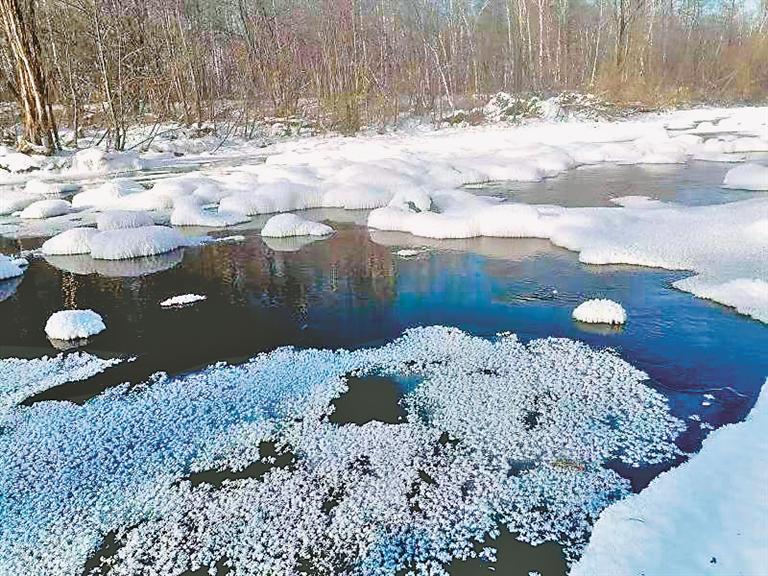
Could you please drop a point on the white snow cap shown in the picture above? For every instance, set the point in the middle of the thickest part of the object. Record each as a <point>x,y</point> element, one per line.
<point>600,311</point>
<point>747,177</point>
<point>120,219</point>
<point>11,202</point>
<point>283,225</point>
<point>74,324</point>
<point>9,268</point>
<point>182,300</point>
<point>135,242</point>
<point>46,209</point>
<point>72,241</point>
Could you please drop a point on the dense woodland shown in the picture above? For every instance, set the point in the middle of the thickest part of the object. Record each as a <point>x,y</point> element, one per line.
<point>348,63</point>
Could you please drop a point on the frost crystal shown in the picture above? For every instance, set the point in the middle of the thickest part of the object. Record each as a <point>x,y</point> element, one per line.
<point>497,433</point>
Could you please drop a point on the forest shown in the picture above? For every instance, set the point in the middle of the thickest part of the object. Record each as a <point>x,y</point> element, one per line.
<point>346,64</point>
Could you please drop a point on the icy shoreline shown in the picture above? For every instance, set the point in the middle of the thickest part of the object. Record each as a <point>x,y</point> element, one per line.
<point>707,516</point>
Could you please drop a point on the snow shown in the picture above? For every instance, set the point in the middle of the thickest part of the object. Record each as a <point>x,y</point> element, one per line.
<point>9,268</point>
<point>121,194</point>
<point>555,414</point>
<point>285,225</point>
<point>182,300</point>
<point>600,311</point>
<point>747,177</point>
<point>74,324</point>
<point>189,213</point>
<point>72,241</point>
<point>408,253</point>
<point>135,242</point>
<point>707,516</point>
<point>120,219</point>
<point>14,201</point>
<point>22,378</point>
<point>98,161</point>
<point>46,209</point>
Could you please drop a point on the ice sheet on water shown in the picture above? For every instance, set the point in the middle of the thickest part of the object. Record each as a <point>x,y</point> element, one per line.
<point>529,429</point>
<point>22,378</point>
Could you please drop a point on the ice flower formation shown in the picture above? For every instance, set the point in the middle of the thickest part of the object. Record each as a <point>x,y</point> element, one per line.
<point>600,311</point>
<point>497,433</point>
<point>21,378</point>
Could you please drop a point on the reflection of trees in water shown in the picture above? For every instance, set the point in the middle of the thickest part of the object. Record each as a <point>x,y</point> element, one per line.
<point>346,266</point>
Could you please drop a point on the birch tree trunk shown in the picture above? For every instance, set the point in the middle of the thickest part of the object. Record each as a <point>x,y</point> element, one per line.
<point>18,20</point>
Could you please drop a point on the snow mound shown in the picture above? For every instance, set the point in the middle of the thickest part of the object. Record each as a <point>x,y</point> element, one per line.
<point>46,209</point>
<point>14,201</point>
<point>182,300</point>
<point>121,219</point>
<point>600,311</point>
<point>37,187</point>
<point>189,213</point>
<point>747,177</point>
<point>716,499</point>
<point>96,160</point>
<point>74,325</point>
<point>285,225</point>
<point>535,459</point>
<point>118,193</point>
<point>135,242</point>
<point>72,241</point>
<point>9,268</point>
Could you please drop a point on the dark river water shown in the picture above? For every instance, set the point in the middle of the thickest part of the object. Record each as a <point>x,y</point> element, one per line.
<point>353,290</point>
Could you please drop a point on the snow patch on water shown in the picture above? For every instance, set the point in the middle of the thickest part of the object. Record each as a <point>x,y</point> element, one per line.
<point>74,325</point>
<point>747,177</point>
<point>182,300</point>
<point>285,225</point>
<point>600,311</point>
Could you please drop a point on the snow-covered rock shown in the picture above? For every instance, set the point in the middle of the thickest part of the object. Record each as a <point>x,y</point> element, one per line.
<point>182,300</point>
<point>112,194</point>
<point>135,242</point>
<point>72,241</point>
<point>96,160</point>
<point>120,219</point>
<point>189,213</point>
<point>46,209</point>
<point>9,268</point>
<point>284,225</point>
<point>747,177</point>
<point>14,201</point>
<point>74,325</point>
<point>600,311</point>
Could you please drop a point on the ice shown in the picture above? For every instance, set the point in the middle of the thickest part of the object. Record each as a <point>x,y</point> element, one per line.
<point>74,324</point>
<point>9,268</point>
<point>120,219</point>
<point>46,209</point>
<point>600,311</point>
<point>135,242</point>
<point>408,253</point>
<point>747,177</point>
<point>708,516</point>
<point>72,241</point>
<point>285,225</point>
<point>22,378</point>
<point>182,300</point>
<point>371,499</point>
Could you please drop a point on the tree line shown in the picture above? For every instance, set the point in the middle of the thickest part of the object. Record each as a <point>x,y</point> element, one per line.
<point>348,63</point>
